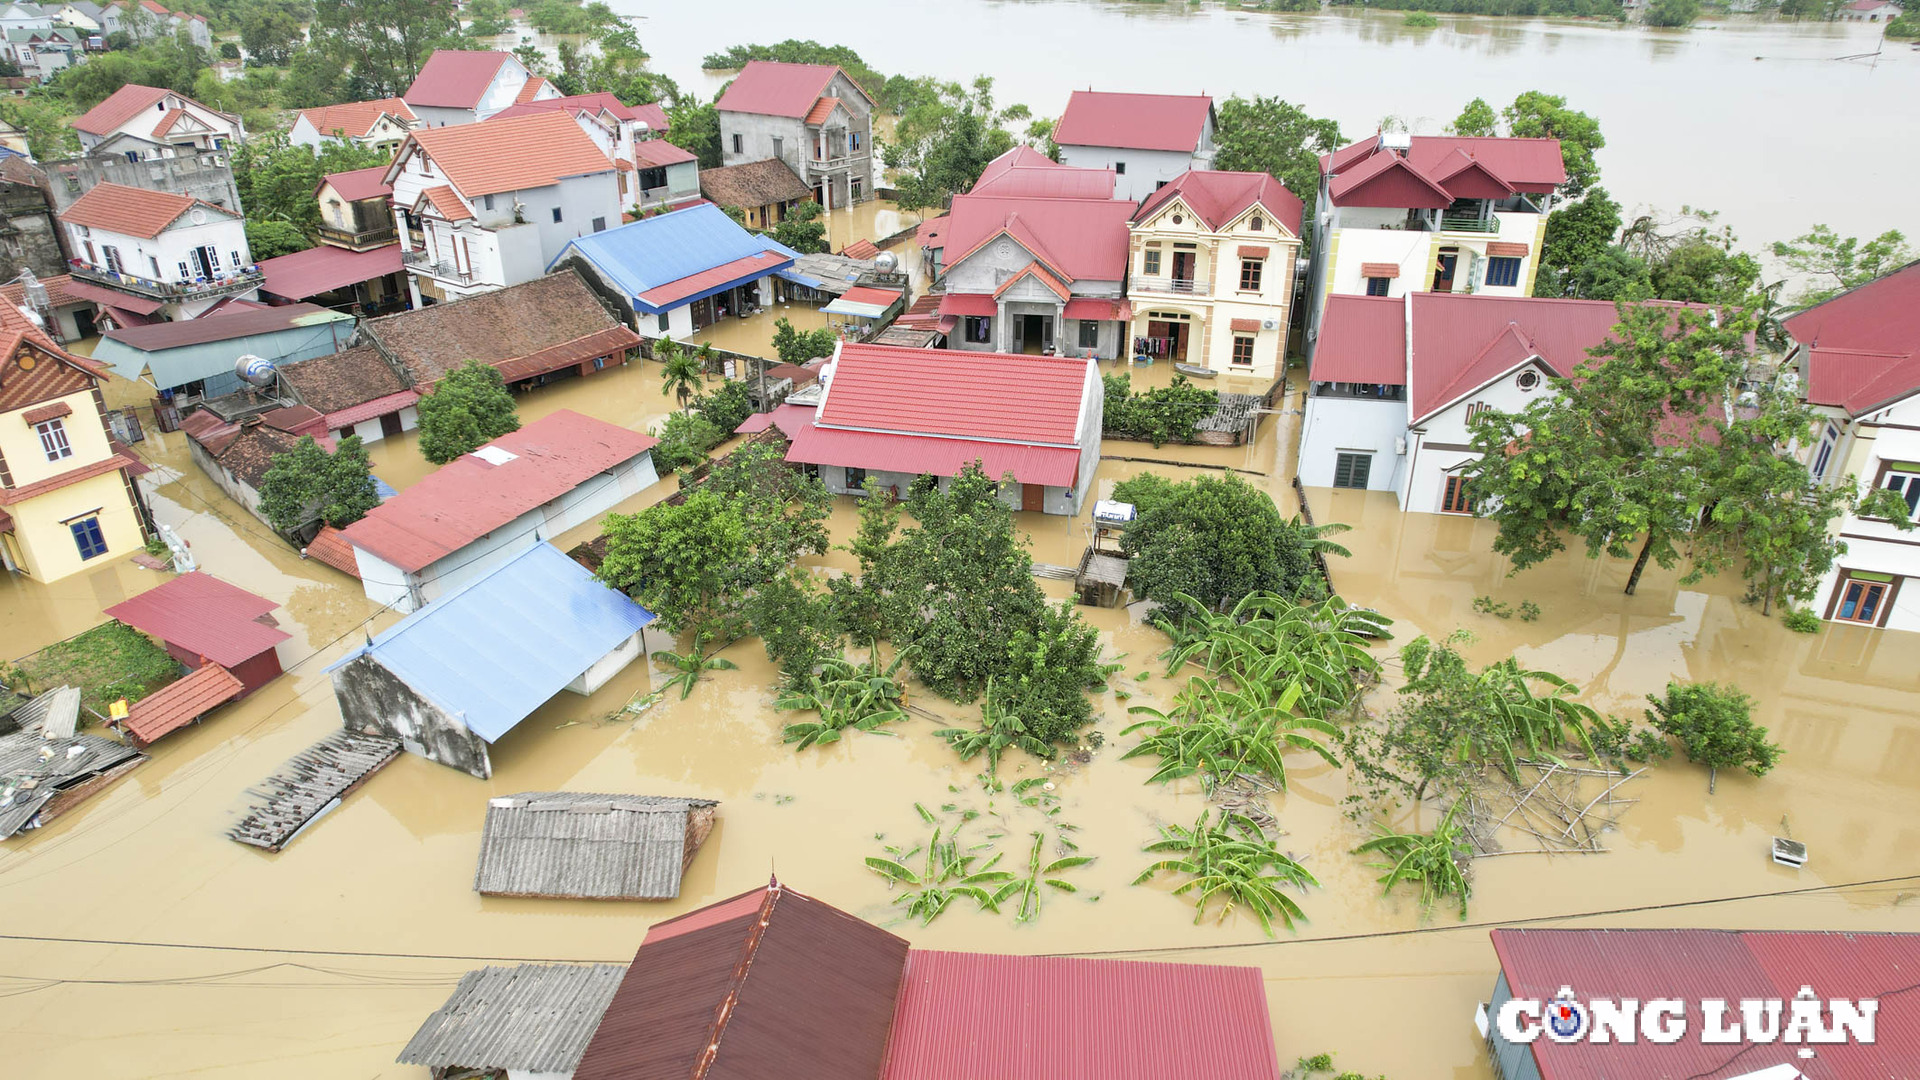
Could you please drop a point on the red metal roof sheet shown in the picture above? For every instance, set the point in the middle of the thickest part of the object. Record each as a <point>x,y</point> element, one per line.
<point>1048,466</point>
<point>964,1016</point>
<point>659,153</point>
<point>357,184</point>
<point>1864,343</point>
<point>755,265</point>
<point>771,88</point>
<point>330,546</point>
<point>1729,964</point>
<point>205,616</point>
<point>132,211</point>
<point>1461,167</point>
<point>326,268</point>
<point>244,322</point>
<point>1220,197</point>
<point>1386,179</point>
<point>514,154</point>
<point>1100,310</point>
<point>139,305</point>
<point>867,294</point>
<point>1363,339</point>
<point>180,703</point>
<point>455,78</point>
<point>356,118</point>
<point>370,410</point>
<point>467,497</point>
<point>969,395</point>
<point>968,304</point>
<point>1025,173</point>
<point>1133,121</point>
<point>1076,238</point>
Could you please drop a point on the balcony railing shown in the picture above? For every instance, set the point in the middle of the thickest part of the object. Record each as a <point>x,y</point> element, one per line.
<point>362,240</point>
<point>1469,223</point>
<point>826,164</point>
<point>419,262</point>
<point>1169,286</point>
<point>237,282</point>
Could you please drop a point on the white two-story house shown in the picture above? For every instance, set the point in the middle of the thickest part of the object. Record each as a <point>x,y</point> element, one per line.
<point>153,115</point>
<point>483,206</point>
<point>654,173</point>
<point>1400,214</point>
<point>1858,356</point>
<point>1146,139</point>
<point>814,117</point>
<point>1212,272</point>
<point>456,86</point>
<point>379,124</point>
<point>164,256</point>
<point>1035,261</point>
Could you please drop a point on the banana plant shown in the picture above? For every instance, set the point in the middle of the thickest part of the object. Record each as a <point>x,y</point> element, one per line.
<point>947,874</point>
<point>1436,860</point>
<point>691,667</point>
<point>999,731</point>
<point>1220,733</point>
<point>1028,888</point>
<point>848,697</point>
<point>1230,860</point>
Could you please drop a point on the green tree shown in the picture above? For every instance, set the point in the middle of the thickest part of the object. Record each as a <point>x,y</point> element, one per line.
<point>1597,458</point>
<point>306,483</point>
<point>681,373</point>
<point>796,346</point>
<point>271,239</point>
<point>685,439</point>
<point>350,488</point>
<point>1821,10</point>
<point>229,50</point>
<point>728,405</point>
<point>49,135</point>
<point>802,230</point>
<point>1613,274</point>
<point>1715,727</point>
<point>1578,233</point>
<point>1672,13</point>
<point>944,141</point>
<point>468,408</point>
<point>1904,28</point>
<point>384,42</point>
<point>1477,121</point>
<point>1706,270</point>
<point>314,79</point>
<point>1538,115</point>
<point>276,179</point>
<point>1216,540</point>
<point>1275,137</point>
<point>270,35</point>
<point>1833,264</point>
<point>694,126</point>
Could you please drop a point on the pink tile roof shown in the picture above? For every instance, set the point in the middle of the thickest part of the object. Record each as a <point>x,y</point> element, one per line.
<point>1864,344</point>
<point>205,616</point>
<point>467,498</point>
<point>1024,172</point>
<point>770,88</point>
<point>978,395</point>
<point>650,114</point>
<point>1133,121</point>
<point>966,1015</point>
<point>1451,166</point>
<point>658,153</point>
<point>360,183</point>
<point>1363,339</point>
<point>514,154</point>
<point>121,106</point>
<point>1220,197</point>
<point>1075,238</point>
<point>456,78</point>
<point>1690,965</point>
<point>445,202</point>
<point>357,118</point>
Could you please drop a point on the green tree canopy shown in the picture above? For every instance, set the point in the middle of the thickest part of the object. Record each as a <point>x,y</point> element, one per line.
<point>270,35</point>
<point>1476,121</point>
<point>276,179</point>
<point>1578,234</point>
<point>1538,115</point>
<point>383,43</point>
<point>1715,727</point>
<point>272,239</point>
<point>1268,135</point>
<point>1833,264</point>
<point>798,346</point>
<point>694,126</point>
<point>945,140</point>
<point>306,483</point>
<point>49,135</point>
<point>1672,13</point>
<point>1216,540</point>
<point>802,230</point>
<point>467,409</point>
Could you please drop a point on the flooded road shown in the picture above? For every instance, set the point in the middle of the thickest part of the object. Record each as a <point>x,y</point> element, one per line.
<point>1727,115</point>
<point>141,942</point>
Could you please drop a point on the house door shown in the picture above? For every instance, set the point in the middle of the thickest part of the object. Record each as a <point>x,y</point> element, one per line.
<point>205,263</point>
<point>390,425</point>
<point>1167,340</point>
<point>1860,601</point>
<point>1030,498</point>
<point>83,322</point>
<point>1183,271</point>
<point>1443,274</point>
<point>1033,333</point>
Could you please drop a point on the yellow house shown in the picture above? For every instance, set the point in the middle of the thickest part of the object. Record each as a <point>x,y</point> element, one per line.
<point>67,498</point>
<point>1211,277</point>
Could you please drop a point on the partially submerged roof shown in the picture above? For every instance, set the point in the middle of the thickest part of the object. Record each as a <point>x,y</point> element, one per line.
<point>676,258</point>
<point>1054,1017</point>
<point>177,353</point>
<point>755,184</point>
<point>1363,339</point>
<point>1692,965</point>
<point>342,380</point>
<point>471,496</point>
<point>523,330</point>
<point>514,154</point>
<point>533,1018</point>
<point>771,982</point>
<point>205,616</point>
<point>136,211</point>
<point>1134,121</point>
<point>1220,198</point>
<point>247,322</point>
<point>495,649</point>
<point>325,268</point>
<point>69,771</point>
<point>1863,345</point>
<point>772,88</point>
<point>1433,170</point>
<point>180,703</point>
<point>1024,172</point>
<point>456,78</point>
<point>357,119</point>
<point>330,546</point>
<point>589,846</point>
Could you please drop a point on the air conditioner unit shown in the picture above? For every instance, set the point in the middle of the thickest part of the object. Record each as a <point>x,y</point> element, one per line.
<point>1400,447</point>
<point>1269,324</point>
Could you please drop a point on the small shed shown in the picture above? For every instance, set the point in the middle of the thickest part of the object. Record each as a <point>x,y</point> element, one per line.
<point>196,356</point>
<point>179,703</point>
<point>201,619</point>
<point>530,1020</point>
<point>576,845</point>
<point>457,675</point>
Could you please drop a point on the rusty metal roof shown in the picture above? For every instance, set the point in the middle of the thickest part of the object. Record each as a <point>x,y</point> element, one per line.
<point>69,763</point>
<point>205,616</point>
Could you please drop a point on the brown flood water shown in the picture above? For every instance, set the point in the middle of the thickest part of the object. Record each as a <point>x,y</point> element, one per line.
<point>387,880</point>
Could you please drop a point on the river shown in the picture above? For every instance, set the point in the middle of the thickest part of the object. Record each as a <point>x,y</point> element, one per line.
<point>1756,120</point>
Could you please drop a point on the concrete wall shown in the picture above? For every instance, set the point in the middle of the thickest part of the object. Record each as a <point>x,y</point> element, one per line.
<point>1335,425</point>
<point>1877,547</point>
<point>757,134</point>
<point>607,667</point>
<point>1359,235</point>
<point>236,489</point>
<point>205,176</point>
<point>370,431</point>
<point>374,699</point>
<point>1442,441</point>
<point>1145,171</point>
<point>29,236</point>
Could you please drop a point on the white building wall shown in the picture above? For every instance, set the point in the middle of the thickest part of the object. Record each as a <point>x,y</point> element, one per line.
<point>1336,425</point>
<point>1142,172</point>
<point>1442,441</point>
<point>138,255</point>
<point>606,667</point>
<point>1878,547</point>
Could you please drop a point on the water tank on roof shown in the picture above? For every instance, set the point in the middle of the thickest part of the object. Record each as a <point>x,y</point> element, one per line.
<point>886,262</point>
<point>254,370</point>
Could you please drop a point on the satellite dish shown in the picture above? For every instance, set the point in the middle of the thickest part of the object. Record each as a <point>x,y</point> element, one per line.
<point>254,370</point>
<point>886,262</point>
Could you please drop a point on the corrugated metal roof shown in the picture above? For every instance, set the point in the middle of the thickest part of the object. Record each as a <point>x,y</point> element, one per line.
<point>1363,339</point>
<point>1730,964</point>
<point>203,615</point>
<point>534,1018</point>
<point>1078,238</point>
<point>180,703</point>
<point>589,846</point>
<point>1442,167</point>
<point>1024,172</point>
<point>1865,342</point>
<point>651,258</point>
<point>498,647</point>
<point>774,88</point>
<point>67,763</point>
<point>325,268</point>
<point>963,1016</point>
<point>1049,466</point>
<point>971,395</point>
<point>776,983</point>
<point>1133,121</point>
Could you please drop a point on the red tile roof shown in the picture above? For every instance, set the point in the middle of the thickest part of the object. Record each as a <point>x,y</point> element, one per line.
<point>1363,339</point>
<point>659,153</point>
<point>47,412</point>
<point>330,546</point>
<point>1863,345</point>
<point>359,184</point>
<point>456,78</point>
<point>1025,173</point>
<point>1690,965</point>
<point>1038,273</point>
<point>180,703</point>
<point>1455,166</point>
<point>1076,238</point>
<point>975,395</point>
<point>467,498</point>
<point>205,616</point>
<point>932,233</point>
<point>133,211</point>
<point>372,410</point>
<point>861,249</point>
<point>121,106</point>
<point>770,983</point>
<point>445,202</point>
<point>771,88</point>
<point>534,86</point>
<point>650,114</point>
<point>326,268</point>
<point>58,294</point>
<point>1133,121</point>
<point>964,1016</point>
<point>356,119</point>
<point>55,373</point>
<point>514,154</point>
<point>1219,198</point>
<point>821,110</point>
<point>13,496</point>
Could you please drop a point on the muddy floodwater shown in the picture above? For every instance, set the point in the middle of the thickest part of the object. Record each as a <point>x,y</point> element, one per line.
<point>140,942</point>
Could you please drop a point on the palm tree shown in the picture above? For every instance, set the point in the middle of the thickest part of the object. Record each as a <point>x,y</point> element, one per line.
<point>680,370</point>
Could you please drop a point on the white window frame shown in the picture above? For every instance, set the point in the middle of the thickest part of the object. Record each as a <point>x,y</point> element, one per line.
<point>53,439</point>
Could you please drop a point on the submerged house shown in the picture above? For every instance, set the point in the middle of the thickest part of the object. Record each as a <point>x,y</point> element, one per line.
<point>531,1020</point>
<point>892,415</point>
<point>1146,139</point>
<point>194,359</point>
<point>482,509</point>
<point>202,620</point>
<point>585,846</point>
<point>356,392</point>
<point>814,117</point>
<point>764,192</point>
<point>236,453</point>
<point>158,254</point>
<point>454,677</point>
<point>42,774</point>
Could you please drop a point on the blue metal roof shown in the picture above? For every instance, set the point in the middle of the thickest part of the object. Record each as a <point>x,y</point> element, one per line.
<point>494,650</point>
<point>646,254</point>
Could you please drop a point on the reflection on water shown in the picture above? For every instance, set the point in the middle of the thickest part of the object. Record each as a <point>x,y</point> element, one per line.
<point>392,871</point>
